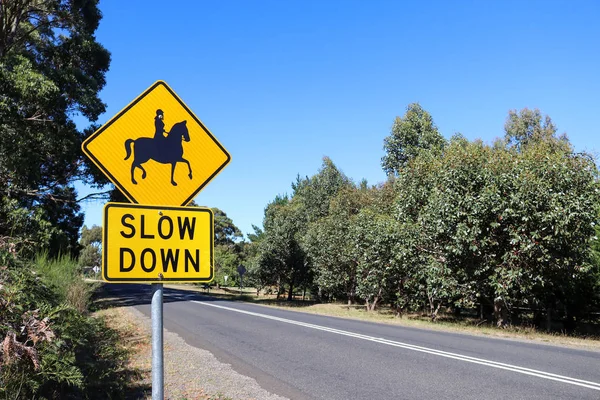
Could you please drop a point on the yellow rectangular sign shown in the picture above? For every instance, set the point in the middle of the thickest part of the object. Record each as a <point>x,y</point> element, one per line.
<point>157,243</point>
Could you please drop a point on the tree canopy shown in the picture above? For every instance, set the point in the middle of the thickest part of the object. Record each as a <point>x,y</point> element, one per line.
<point>411,134</point>
<point>225,230</point>
<point>51,71</point>
<point>459,224</point>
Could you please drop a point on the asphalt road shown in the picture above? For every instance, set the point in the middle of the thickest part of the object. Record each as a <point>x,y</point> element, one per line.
<point>305,356</point>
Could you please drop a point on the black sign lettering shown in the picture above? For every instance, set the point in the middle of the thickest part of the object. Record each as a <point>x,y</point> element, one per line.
<point>195,262</point>
<point>185,225</point>
<point>143,228</point>
<point>169,257</point>
<point>124,219</point>
<point>160,227</point>
<point>143,260</point>
<point>122,252</point>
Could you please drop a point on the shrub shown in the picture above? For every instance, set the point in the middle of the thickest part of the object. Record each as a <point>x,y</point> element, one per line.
<point>62,275</point>
<point>49,349</point>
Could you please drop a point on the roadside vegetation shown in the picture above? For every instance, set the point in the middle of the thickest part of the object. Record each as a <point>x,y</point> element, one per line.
<point>51,347</point>
<point>51,70</point>
<point>502,234</point>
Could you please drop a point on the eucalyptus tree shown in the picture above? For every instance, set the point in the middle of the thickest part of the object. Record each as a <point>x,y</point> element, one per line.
<point>549,224</point>
<point>91,242</point>
<point>52,70</point>
<point>329,244</point>
<point>374,239</point>
<point>226,233</point>
<point>316,192</point>
<point>280,254</point>
<point>501,225</point>
<point>424,236</point>
<point>410,135</point>
<point>528,126</point>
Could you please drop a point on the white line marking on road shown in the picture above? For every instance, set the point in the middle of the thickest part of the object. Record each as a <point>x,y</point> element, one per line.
<point>455,356</point>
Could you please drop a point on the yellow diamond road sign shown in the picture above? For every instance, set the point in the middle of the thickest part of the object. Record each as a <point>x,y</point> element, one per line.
<point>156,151</point>
<point>157,244</point>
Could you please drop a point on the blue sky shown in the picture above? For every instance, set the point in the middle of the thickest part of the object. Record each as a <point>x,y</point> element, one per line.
<point>283,83</point>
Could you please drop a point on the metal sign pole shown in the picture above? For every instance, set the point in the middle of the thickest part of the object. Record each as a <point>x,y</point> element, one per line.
<point>157,342</point>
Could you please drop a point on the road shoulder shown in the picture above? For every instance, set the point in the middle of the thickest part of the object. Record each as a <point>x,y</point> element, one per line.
<point>190,372</point>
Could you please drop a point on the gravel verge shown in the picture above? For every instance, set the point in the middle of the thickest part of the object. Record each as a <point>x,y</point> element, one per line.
<point>193,373</point>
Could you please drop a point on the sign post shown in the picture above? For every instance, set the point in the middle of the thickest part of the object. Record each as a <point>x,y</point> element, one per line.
<point>160,155</point>
<point>156,314</point>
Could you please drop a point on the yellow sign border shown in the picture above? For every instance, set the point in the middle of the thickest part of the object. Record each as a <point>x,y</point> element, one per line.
<point>109,175</point>
<point>105,276</point>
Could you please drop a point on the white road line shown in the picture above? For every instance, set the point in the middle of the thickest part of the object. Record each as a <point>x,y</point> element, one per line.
<point>455,356</point>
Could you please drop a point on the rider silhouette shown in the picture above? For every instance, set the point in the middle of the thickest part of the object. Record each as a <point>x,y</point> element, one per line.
<point>159,125</point>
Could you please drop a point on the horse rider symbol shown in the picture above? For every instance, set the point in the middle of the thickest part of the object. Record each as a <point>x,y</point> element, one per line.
<point>164,150</point>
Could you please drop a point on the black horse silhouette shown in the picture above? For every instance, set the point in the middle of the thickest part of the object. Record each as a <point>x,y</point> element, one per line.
<point>167,150</point>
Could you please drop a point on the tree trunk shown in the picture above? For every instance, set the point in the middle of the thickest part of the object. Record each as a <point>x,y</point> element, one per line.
<point>350,292</point>
<point>374,303</point>
<point>278,288</point>
<point>500,312</point>
<point>291,293</point>
<point>434,312</point>
<point>432,309</point>
<point>371,307</point>
<point>398,311</point>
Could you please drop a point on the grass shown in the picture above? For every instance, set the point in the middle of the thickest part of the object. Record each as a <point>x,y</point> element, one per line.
<point>62,273</point>
<point>135,342</point>
<point>446,323</point>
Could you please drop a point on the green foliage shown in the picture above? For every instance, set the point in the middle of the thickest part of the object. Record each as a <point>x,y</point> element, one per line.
<point>281,257</point>
<point>526,126</point>
<point>328,244</point>
<point>280,252</point>
<point>410,136</point>
<point>501,223</point>
<point>374,238</point>
<point>592,283</point>
<point>63,276</point>
<point>50,349</point>
<point>225,231</point>
<point>315,192</point>
<point>91,236</point>
<point>26,231</point>
<point>458,224</point>
<point>57,273</point>
<point>91,241</point>
<point>51,70</point>
<point>226,261</point>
